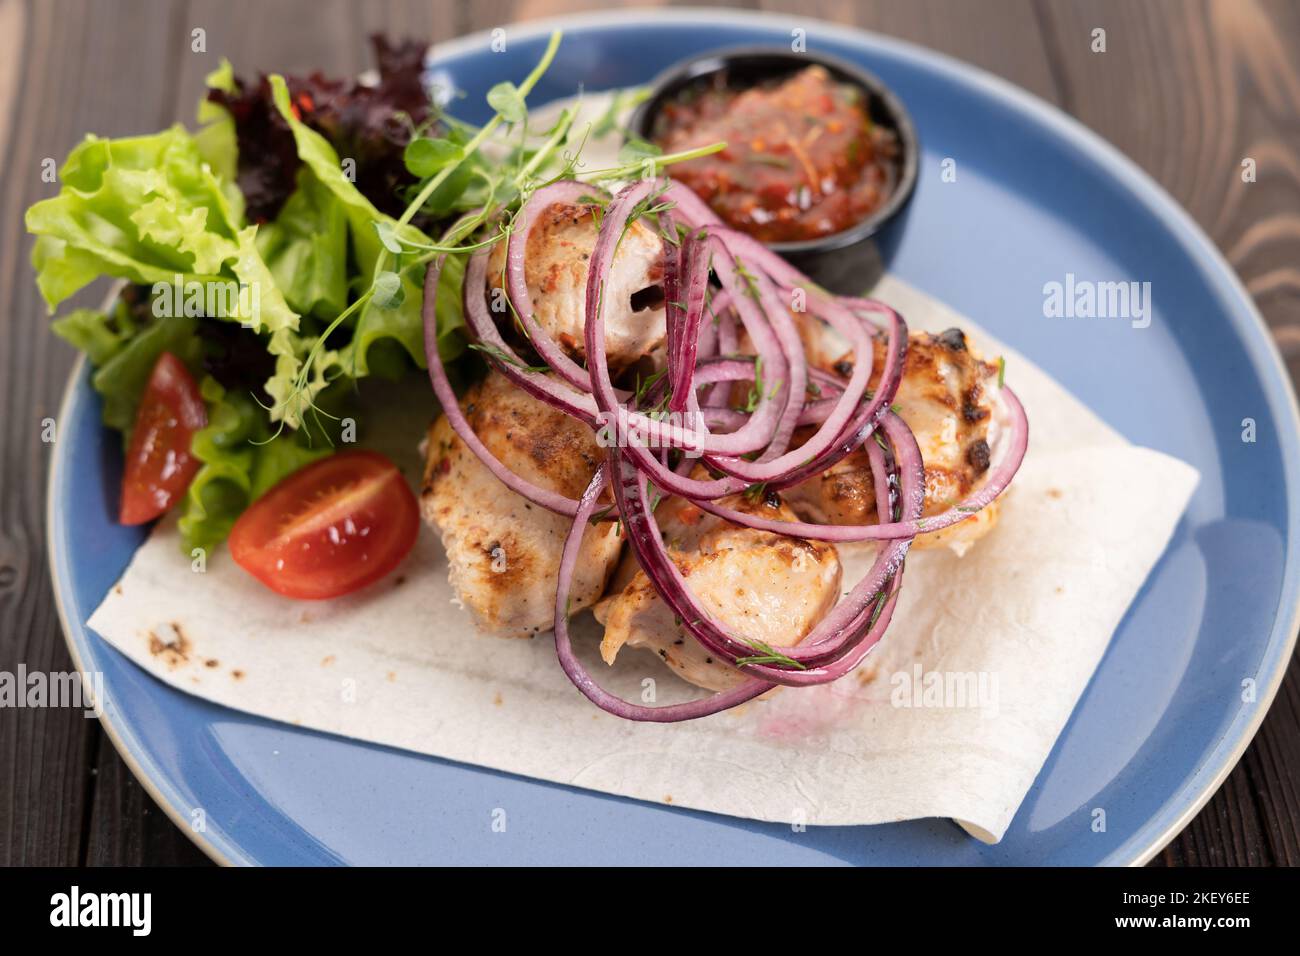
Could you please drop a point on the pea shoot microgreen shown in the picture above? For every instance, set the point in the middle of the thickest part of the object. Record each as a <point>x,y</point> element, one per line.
<point>455,177</point>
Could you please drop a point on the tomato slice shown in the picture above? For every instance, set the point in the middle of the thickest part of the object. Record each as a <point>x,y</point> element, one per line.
<point>159,465</point>
<point>330,528</point>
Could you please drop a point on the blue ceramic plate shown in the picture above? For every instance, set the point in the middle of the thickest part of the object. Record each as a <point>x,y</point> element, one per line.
<point>1036,197</point>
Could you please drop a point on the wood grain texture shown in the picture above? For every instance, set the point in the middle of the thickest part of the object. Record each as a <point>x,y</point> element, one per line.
<point>108,82</point>
<point>1219,79</point>
<point>1000,36</point>
<point>1187,88</point>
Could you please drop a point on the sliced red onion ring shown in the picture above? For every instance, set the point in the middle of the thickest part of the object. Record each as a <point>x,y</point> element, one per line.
<point>451,407</point>
<point>582,679</point>
<point>561,191</point>
<point>995,482</point>
<point>695,270</point>
<point>832,648</point>
<point>750,447</point>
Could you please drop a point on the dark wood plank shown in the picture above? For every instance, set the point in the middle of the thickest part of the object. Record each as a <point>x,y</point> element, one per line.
<point>126,827</point>
<point>74,66</point>
<point>1222,81</point>
<point>288,36</point>
<point>431,22</point>
<point>487,14</point>
<point>1190,90</point>
<point>1273,767</point>
<point>1001,36</point>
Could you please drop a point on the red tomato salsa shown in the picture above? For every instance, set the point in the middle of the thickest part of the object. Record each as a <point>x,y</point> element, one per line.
<point>803,159</point>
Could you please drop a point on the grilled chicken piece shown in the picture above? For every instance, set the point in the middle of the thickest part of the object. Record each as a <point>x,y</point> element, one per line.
<point>763,587</point>
<point>946,397</point>
<point>556,256</point>
<point>503,551</point>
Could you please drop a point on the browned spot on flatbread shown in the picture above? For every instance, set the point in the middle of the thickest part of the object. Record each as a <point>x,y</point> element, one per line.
<point>212,662</point>
<point>668,798</point>
<point>1054,493</point>
<point>172,645</point>
<point>117,589</point>
<point>496,699</point>
<point>237,674</point>
<point>866,674</point>
<point>327,660</point>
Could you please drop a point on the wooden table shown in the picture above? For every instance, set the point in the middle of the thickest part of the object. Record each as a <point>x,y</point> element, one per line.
<point>1187,89</point>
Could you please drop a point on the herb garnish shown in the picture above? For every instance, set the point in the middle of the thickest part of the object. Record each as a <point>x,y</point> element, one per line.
<point>767,655</point>
<point>501,356</point>
<point>455,177</point>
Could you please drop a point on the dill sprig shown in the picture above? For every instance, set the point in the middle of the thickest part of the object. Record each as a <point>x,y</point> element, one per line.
<point>500,355</point>
<point>768,655</point>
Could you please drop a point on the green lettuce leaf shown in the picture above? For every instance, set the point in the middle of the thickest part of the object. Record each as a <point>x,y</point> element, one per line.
<point>122,378</point>
<point>145,209</point>
<point>161,209</point>
<point>306,249</point>
<point>241,461</point>
<point>381,331</point>
<point>151,210</point>
<point>217,140</point>
<point>377,325</point>
<point>96,333</point>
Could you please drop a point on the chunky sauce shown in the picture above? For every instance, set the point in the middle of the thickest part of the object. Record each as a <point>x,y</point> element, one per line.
<point>803,159</point>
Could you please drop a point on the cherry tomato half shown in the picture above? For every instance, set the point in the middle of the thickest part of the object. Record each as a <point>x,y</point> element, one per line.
<point>159,465</point>
<point>330,528</point>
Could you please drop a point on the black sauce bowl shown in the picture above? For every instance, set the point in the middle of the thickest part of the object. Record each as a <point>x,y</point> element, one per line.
<point>845,262</point>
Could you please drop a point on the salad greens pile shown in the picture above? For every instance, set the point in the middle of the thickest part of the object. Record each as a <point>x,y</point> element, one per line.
<point>261,199</point>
